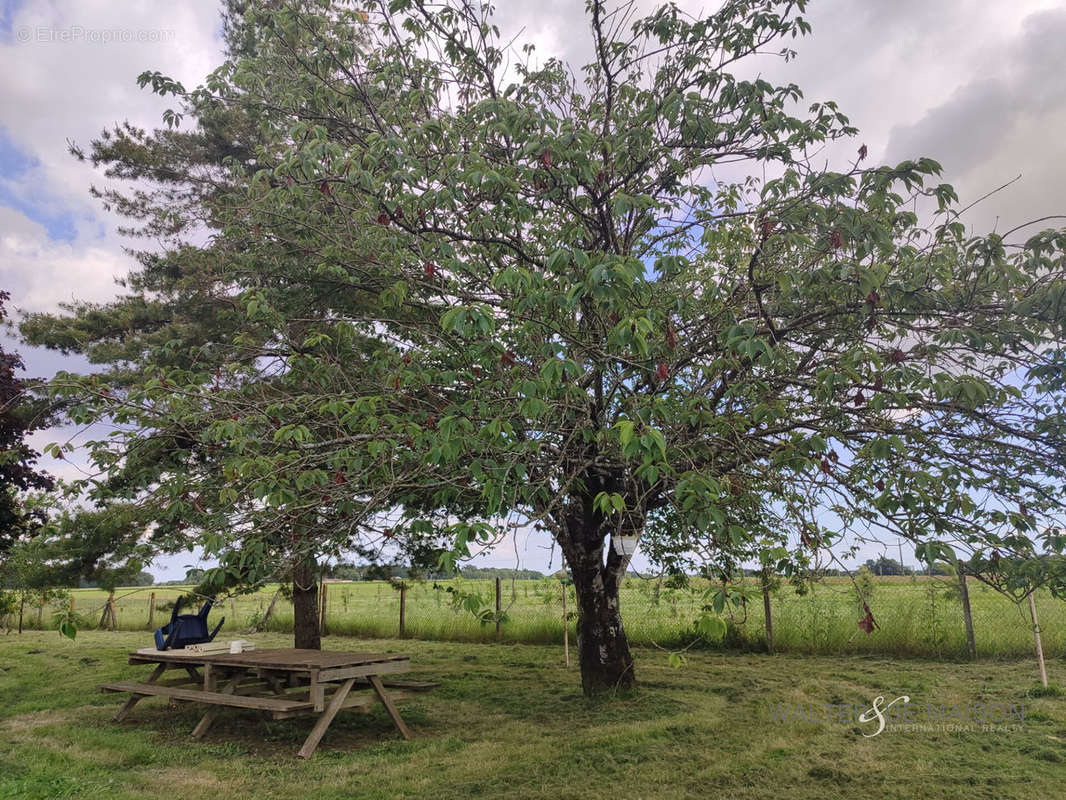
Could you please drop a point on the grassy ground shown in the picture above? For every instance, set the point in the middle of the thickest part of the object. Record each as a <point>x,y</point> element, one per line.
<point>915,616</point>
<point>511,721</point>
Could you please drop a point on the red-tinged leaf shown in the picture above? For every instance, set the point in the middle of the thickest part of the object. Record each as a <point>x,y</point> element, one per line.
<point>662,371</point>
<point>546,158</point>
<point>827,468</point>
<point>383,218</point>
<point>407,358</point>
<point>862,152</point>
<point>477,371</point>
<point>398,213</point>
<point>836,239</point>
<point>833,456</point>
<point>671,338</point>
<point>860,399</point>
<point>880,484</point>
<point>430,270</point>
<point>395,383</point>
<point>339,479</point>
<point>324,188</point>
<point>507,358</point>
<point>897,356</point>
<point>878,384</point>
<point>289,181</point>
<point>867,623</point>
<point>388,533</point>
<point>873,298</point>
<point>431,422</point>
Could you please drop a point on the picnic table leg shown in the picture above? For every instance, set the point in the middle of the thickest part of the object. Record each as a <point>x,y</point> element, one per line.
<point>272,680</point>
<point>325,718</point>
<point>386,701</point>
<point>209,716</point>
<point>135,698</point>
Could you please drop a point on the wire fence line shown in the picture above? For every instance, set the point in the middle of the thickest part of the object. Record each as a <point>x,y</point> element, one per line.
<point>915,616</point>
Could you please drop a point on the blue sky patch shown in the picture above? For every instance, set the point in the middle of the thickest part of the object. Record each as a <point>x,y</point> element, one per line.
<point>7,14</point>
<point>13,162</point>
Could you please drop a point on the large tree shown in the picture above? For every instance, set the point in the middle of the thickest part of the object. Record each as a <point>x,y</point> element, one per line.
<point>181,322</point>
<point>611,303</point>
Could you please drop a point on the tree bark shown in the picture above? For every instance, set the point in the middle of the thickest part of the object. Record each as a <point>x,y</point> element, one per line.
<point>603,647</point>
<point>305,626</point>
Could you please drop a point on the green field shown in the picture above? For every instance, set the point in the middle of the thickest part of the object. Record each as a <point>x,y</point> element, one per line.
<point>510,721</point>
<point>919,617</point>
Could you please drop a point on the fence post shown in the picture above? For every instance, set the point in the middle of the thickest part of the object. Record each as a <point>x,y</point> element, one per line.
<point>766,614</point>
<point>72,604</point>
<point>403,610</point>
<point>322,599</point>
<point>111,610</point>
<point>967,615</point>
<point>151,611</point>
<point>498,607</point>
<point>104,615</point>
<point>40,616</point>
<point>1039,646</point>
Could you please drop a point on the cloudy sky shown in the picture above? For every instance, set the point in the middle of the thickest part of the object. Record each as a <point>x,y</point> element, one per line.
<point>976,84</point>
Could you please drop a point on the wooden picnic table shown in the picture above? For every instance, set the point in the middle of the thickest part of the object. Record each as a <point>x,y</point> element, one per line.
<point>285,682</point>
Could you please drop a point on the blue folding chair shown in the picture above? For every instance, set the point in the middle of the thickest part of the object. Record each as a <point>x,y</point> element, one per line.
<point>186,629</point>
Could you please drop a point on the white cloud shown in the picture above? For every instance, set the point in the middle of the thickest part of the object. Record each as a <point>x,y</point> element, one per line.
<point>54,91</point>
<point>40,272</point>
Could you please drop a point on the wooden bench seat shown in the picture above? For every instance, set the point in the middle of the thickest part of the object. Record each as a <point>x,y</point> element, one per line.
<point>276,704</point>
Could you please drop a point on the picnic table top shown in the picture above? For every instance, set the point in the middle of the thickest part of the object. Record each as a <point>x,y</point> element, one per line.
<point>281,658</point>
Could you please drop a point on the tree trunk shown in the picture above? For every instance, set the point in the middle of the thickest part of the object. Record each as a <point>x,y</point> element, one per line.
<point>603,648</point>
<point>305,624</point>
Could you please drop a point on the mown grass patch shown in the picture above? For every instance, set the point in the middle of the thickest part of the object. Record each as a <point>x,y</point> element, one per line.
<point>510,720</point>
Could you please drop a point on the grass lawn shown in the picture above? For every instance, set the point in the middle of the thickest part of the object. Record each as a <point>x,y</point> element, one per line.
<point>510,721</point>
